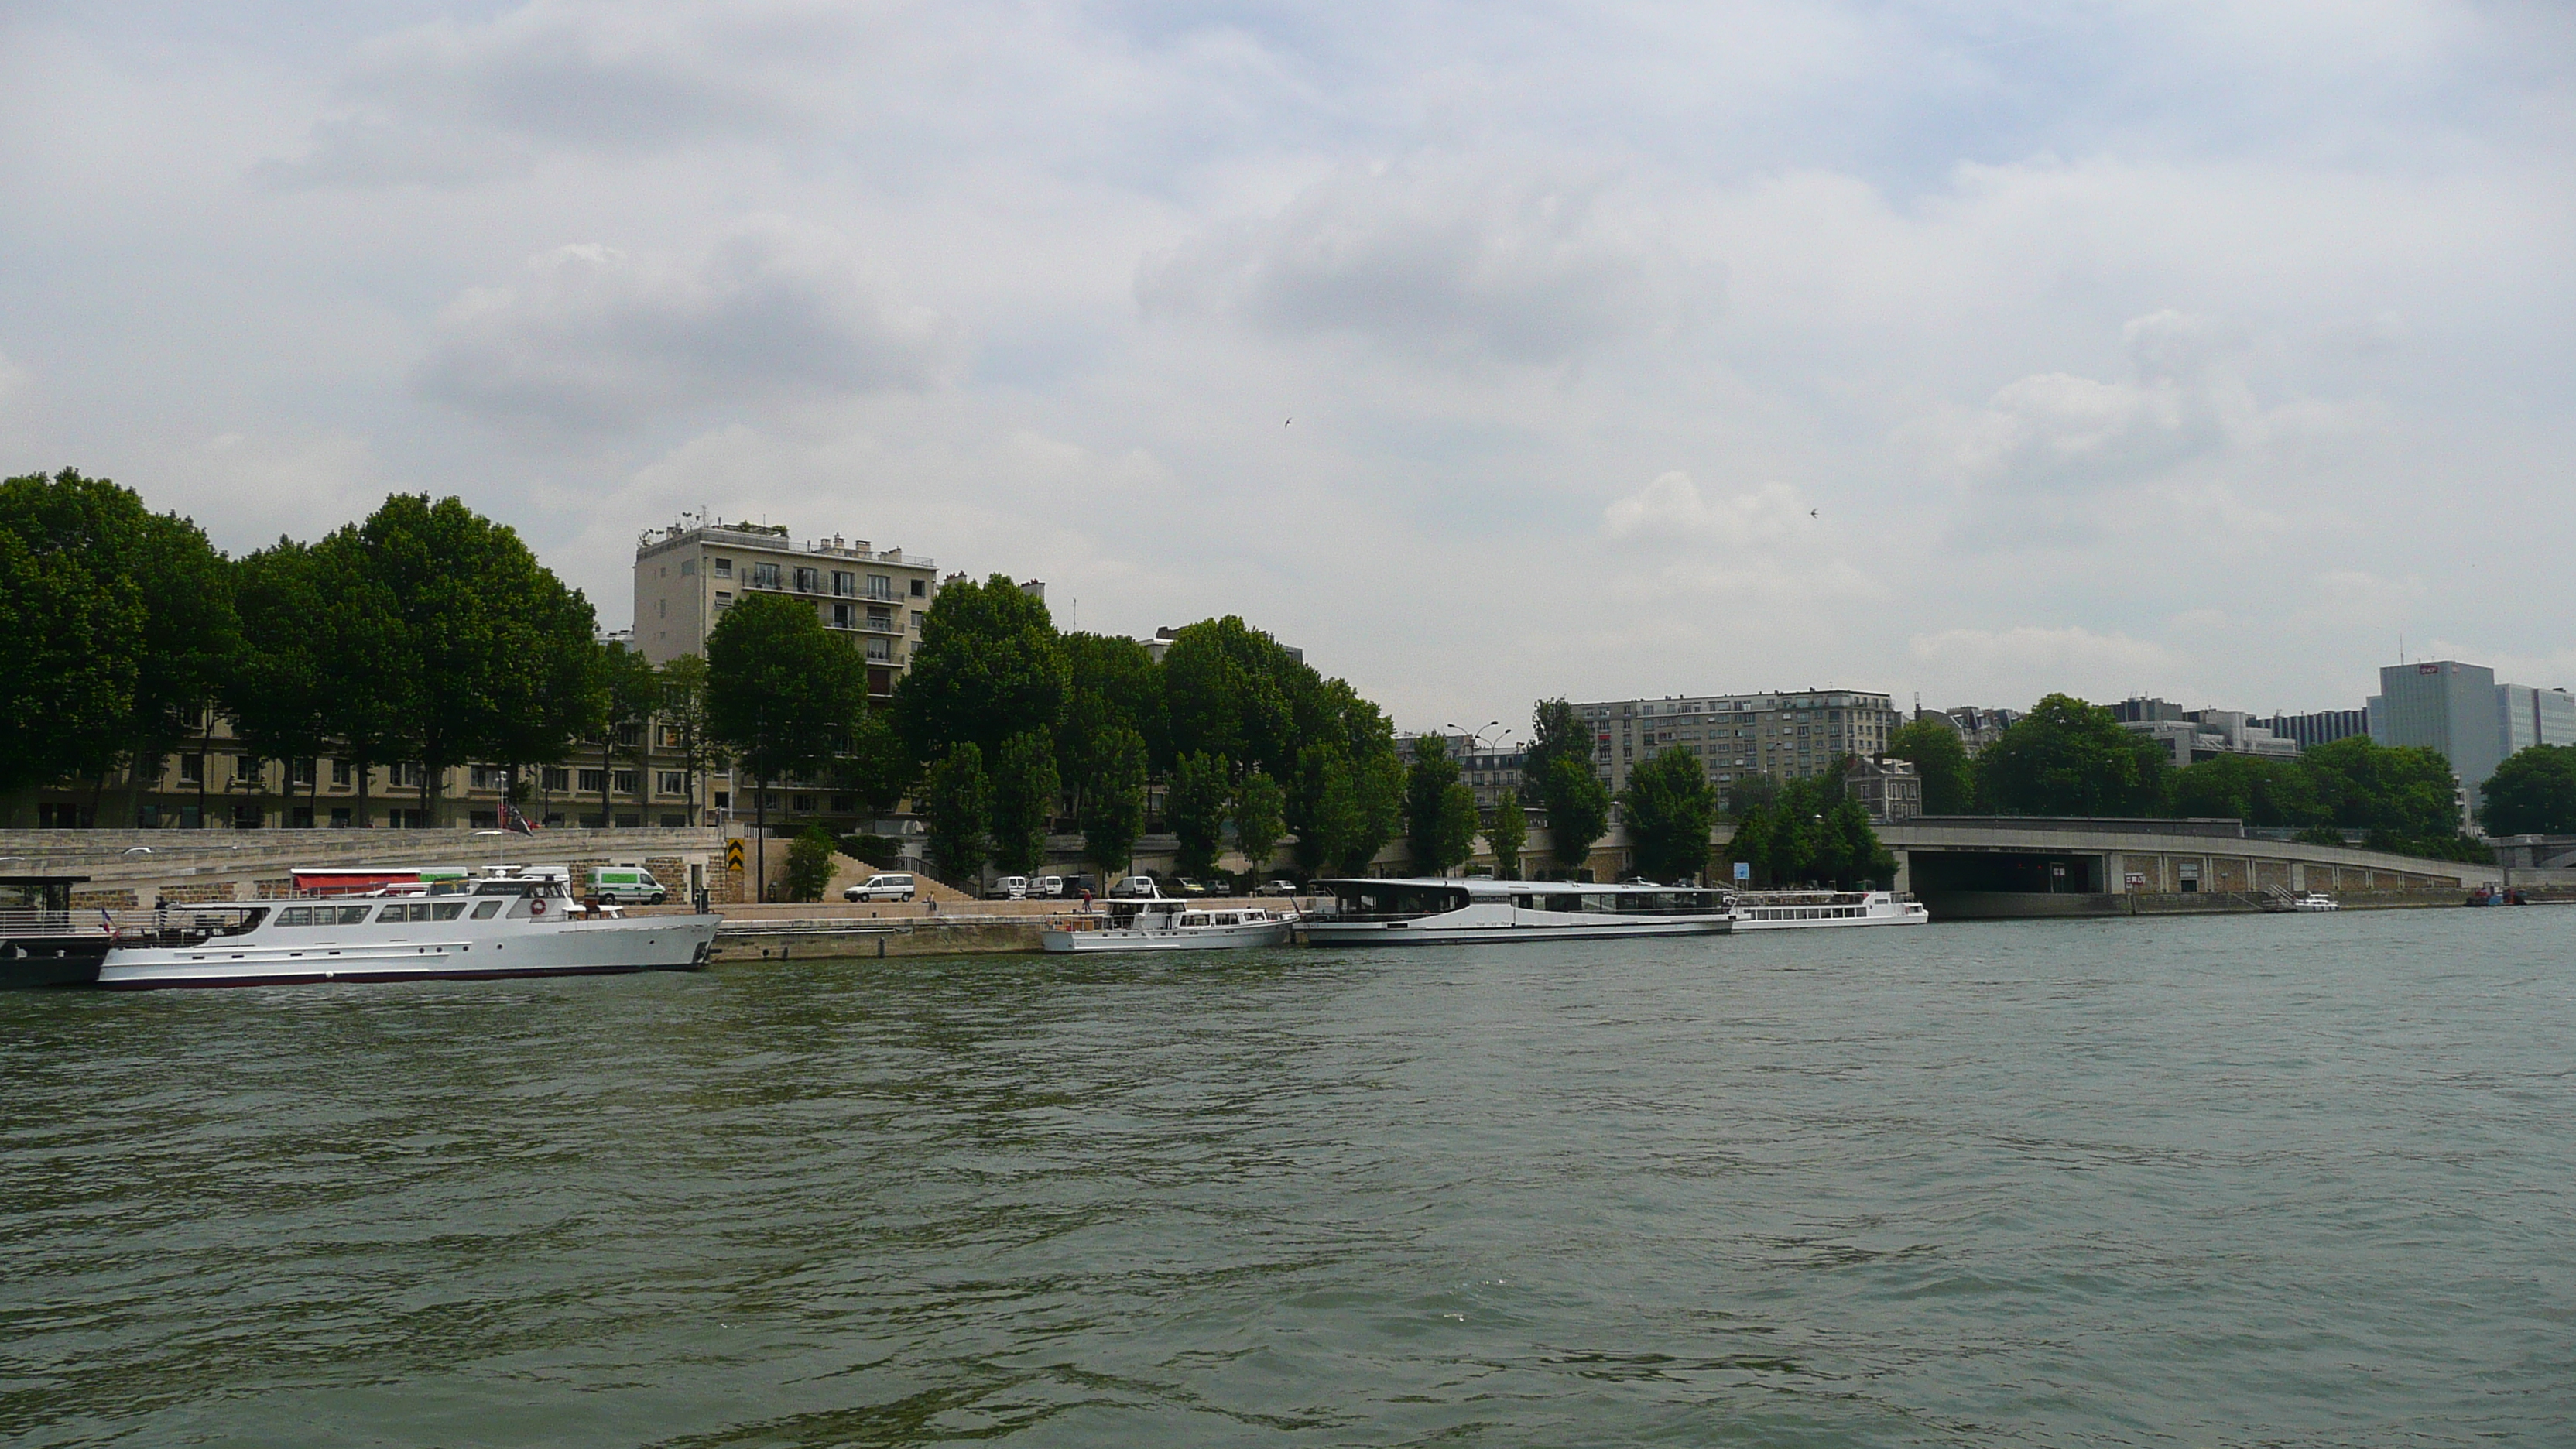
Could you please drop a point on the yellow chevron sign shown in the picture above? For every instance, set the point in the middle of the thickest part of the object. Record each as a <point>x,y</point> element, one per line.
<point>733,855</point>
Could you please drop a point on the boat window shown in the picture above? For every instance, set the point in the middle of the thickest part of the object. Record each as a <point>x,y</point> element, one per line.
<point>298,915</point>
<point>1372,898</point>
<point>1525,902</point>
<point>390,913</point>
<point>1565,901</point>
<point>487,910</point>
<point>450,910</point>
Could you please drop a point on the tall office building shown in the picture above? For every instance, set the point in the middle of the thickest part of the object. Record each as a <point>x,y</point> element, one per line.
<point>2444,706</point>
<point>2529,716</point>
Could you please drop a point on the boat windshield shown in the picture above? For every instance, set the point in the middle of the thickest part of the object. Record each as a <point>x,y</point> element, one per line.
<point>1395,900</point>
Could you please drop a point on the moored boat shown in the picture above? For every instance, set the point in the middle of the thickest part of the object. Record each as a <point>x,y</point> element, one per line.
<point>1446,912</point>
<point>1160,923</point>
<point>43,942</point>
<point>1810,910</point>
<point>519,924</point>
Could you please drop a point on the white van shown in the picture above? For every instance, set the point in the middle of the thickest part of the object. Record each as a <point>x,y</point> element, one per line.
<point>885,885</point>
<point>627,885</point>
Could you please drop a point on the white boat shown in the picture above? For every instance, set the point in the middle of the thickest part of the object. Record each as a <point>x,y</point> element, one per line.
<point>1810,910</point>
<point>2316,901</point>
<point>1160,923</point>
<point>1444,912</point>
<point>521,924</point>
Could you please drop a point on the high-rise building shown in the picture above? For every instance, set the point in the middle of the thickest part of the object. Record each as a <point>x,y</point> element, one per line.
<point>2445,706</point>
<point>1783,736</point>
<point>2527,716</point>
<point>2323,727</point>
<point>687,576</point>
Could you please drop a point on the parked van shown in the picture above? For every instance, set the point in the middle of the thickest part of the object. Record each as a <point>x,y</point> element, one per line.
<point>885,885</point>
<point>627,885</point>
<point>1008,888</point>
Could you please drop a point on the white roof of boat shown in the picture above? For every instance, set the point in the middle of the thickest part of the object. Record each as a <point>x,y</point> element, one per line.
<point>1478,885</point>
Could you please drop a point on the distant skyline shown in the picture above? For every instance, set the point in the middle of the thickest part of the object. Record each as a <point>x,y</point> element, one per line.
<point>2192,350</point>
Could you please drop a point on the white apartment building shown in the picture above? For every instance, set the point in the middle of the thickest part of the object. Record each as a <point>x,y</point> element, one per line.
<point>1784,736</point>
<point>688,575</point>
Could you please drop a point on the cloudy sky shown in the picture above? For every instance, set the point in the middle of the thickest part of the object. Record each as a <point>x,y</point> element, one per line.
<point>1485,350</point>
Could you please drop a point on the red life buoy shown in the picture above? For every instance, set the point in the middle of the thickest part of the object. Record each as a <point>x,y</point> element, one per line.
<point>537,907</point>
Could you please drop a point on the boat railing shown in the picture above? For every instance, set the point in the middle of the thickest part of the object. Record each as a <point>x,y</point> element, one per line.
<point>51,923</point>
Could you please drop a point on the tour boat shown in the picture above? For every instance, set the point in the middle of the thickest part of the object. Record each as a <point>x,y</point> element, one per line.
<point>1807,910</point>
<point>1446,912</point>
<point>517,924</point>
<point>1160,923</point>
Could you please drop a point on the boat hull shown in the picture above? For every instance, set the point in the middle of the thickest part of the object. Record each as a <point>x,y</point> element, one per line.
<point>1433,931</point>
<point>662,943</point>
<point>32,962</point>
<point>1118,940</point>
<point>1915,919</point>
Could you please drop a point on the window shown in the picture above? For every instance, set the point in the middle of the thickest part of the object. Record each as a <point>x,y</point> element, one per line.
<point>805,804</point>
<point>881,650</point>
<point>764,576</point>
<point>916,621</point>
<point>842,618</point>
<point>591,781</point>
<point>490,777</point>
<point>880,586</point>
<point>299,915</point>
<point>301,772</point>
<point>247,771</point>
<point>845,584</point>
<point>339,772</point>
<point>623,782</point>
<point>486,910</point>
<point>688,568</point>
<point>671,782</point>
<point>724,570</point>
<point>558,778</point>
<point>881,620</point>
<point>920,589</point>
<point>809,581</point>
<point>724,600</point>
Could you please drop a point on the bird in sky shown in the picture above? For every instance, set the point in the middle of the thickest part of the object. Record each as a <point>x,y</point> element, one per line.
<point>1811,513</point>
<point>1291,420</point>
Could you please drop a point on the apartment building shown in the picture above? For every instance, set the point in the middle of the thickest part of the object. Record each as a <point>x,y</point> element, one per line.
<point>689,574</point>
<point>1784,736</point>
<point>1491,768</point>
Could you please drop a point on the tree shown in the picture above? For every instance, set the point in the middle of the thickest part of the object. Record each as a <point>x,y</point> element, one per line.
<point>1113,802</point>
<point>279,692</point>
<point>2067,757</point>
<point>1200,792</point>
<point>2405,793</point>
<point>1339,733</point>
<point>684,713</point>
<point>1669,809</point>
<point>1233,692</point>
<point>989,666</point>
<point>1258,824</point>
<point>877,768</point>
<point>1558,767</point>
<point>2532,793</point>
<point>809,864</point>
<point>784,695</point>
<point>957,804</point>
<point>192,638</point>
<point>1749,793</point>
<point>628,689</point>
<point>2245,787</point>
<point>1940,761</point>
<point>1506,834</point>
<point>1025,788</point>
<point>1440,839</point>
<point>1115,684</point>
<point>1812,832</point>
<point>496,646</point>
<point>73,616</point>
<point>373,685</point>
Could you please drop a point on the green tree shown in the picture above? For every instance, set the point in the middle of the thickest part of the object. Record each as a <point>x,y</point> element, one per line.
<point>358,628</point>
<point>957,806</point>
<point>1812,832</point>
<point>989,666</point>
<point>1507,834</point>
<point>1669,808</point>
<point>1558,767</point>
<point>1233,691</point>
<point>809,864</point>
<point>1196,805</point>
<point>1025,787</point>
<point>1115,685</point>
<point>784,696</point>
<point>278,695</point>
<point>2245,787</point>
<point>192,638</point>
<point>1749,793</point>
<point>2405,793</point>
<point>73,614</point>
<point>2067,757</point>
<point>2532,793</point>
<point>1941,762</point>
<point>1440,837</point>
<point>877,767</point>
<point>628,689</point>
<point>1113,802</point>
<point>684,709</point>
<point>1258,818</point>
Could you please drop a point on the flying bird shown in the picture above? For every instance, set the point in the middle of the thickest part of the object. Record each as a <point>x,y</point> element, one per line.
<point>1291,420</point>
<point>1811,513</point>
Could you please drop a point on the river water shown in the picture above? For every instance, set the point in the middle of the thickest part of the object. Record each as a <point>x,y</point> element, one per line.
<point>2215,1181</point>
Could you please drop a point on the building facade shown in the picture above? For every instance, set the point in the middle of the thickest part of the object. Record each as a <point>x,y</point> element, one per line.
<point>2193,735</point>
<point>2445,706</point>
<point>687,576</point>
<point>1888,788</point>
<point>1489,767</point>
<point>2323,727</point>
<point>2528,716</point>
<point>1782,736</point>
<point>1976,726</point>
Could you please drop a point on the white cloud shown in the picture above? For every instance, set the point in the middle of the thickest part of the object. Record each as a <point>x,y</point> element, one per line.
<point>598,338</point>
<point>1670,512</point>
<point>2015,666</point>
<point>1438,256</point>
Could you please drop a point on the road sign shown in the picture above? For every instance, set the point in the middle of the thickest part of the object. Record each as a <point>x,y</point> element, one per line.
<point>733,855</point>
<point>1744,870</point>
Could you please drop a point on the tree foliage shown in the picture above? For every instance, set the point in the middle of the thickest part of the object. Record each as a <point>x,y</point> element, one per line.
<point>1113,800</point>
<point>1025,786</point>
<point>1441,837</point>
<point>2067,757</point>
<point>2255,790</point>
<point>783,695</point>
<point>1357,805</point>
<point>2401,793</point>
<point>2532,793</point>
<point>989,666</point>
<point>1259,821</point>
<point>1558,769</point>
<point>1669,809</point>
<point>957,806</point>
<point>74,614</point>
<point>1506,834</point>
<point>1812,832</point>
<point>809,864</point>
<point>1196,805</point>
<point>1233,692</point>
<point>1940,761</point>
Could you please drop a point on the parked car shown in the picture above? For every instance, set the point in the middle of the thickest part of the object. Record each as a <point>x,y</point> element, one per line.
<point>1075,885</point>
<point>1183,885</point>
<point>627,885</point>
<point>1134,887</point>
<point>1046,887</point>
<point>1008,888</point>
<point>1276,888</point>
<point>885,885</point>
<point>1220,884</point>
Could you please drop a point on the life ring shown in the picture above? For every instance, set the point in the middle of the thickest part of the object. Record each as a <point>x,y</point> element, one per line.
<point>537,907</point>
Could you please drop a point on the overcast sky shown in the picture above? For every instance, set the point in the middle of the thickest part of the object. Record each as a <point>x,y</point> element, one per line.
<point>1484,350</point>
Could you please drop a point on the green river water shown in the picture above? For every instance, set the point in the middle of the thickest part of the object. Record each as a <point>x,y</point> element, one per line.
<point>2204,1181</point>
